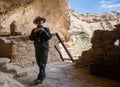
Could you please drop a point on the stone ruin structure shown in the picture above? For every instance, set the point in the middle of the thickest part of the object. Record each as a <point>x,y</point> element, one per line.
<point>104,56</point>
<point>20,50</point>
<point>105,47</point>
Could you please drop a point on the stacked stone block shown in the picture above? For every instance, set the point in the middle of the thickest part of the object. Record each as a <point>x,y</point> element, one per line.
<point>105,47</point>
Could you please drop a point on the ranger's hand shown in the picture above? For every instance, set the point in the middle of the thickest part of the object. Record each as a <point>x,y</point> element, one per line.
<point>38,29</point>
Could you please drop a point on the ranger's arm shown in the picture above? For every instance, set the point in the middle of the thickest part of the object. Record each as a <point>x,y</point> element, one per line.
<point>32,35</point>
<point>47,34</point>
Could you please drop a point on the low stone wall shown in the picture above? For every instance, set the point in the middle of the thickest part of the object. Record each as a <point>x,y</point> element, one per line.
<point>105,47</point>
<point>21,51</point>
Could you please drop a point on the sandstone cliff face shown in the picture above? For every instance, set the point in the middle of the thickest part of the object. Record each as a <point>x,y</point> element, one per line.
<point>24,11</point>
<point>87,23</point>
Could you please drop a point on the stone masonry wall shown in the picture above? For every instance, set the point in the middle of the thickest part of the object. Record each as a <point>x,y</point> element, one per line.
<point>105,47</point>
<point>21,51</point>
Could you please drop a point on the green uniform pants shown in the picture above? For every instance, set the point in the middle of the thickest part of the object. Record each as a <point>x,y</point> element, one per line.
<point>41,53</point>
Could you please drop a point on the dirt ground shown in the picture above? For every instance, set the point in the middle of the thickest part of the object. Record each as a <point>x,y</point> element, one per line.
<point>66,74</point>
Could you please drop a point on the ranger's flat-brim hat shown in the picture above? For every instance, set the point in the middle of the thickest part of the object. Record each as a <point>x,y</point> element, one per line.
<point>39,19</point>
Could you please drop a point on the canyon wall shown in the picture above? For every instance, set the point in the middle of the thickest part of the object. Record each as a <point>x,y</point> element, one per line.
<point>88,23</point>
<point>23,13</point>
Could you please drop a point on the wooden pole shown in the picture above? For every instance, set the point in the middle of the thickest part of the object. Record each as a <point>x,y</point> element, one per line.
<point>59,53</point>
<point>64,47</point>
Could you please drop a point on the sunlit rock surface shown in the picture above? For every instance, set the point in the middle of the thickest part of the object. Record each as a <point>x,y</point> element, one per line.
<point>88,23</point>
<point>24,11</point>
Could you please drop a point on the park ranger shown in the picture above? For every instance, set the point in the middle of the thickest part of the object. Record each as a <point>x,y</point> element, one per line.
<point>41,36</point>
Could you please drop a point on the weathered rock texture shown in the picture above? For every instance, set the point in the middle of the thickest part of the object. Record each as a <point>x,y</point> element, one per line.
<point>24,11</point>
<point>88,23</point>
<point>7,81</point>
<point>105,48</point>
<point>21,51</point>
<point>7,73</point>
